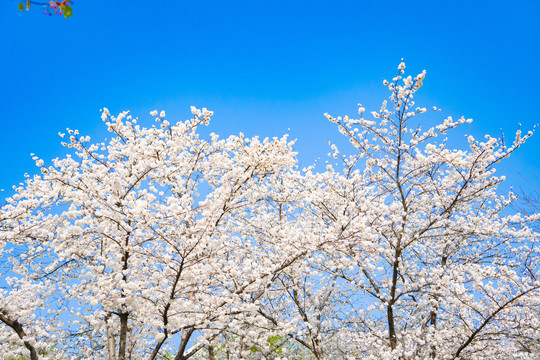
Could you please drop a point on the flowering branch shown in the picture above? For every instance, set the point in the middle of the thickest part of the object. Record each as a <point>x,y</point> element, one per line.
<point>51,7</point>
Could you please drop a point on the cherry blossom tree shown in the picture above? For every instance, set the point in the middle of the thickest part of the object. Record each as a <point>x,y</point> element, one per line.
<point>427,260</point>
<point>127,247</point>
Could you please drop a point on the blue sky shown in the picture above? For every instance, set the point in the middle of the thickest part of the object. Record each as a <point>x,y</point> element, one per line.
<point>263,67</point>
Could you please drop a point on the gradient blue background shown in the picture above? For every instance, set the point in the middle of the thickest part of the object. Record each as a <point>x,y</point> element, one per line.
<point>264,67</point>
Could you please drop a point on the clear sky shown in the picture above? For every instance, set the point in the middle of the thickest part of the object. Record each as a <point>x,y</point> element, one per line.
<point>264,67</point>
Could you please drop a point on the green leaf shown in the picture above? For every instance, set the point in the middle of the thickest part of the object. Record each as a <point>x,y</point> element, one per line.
<point>66,10</point>
<point>21,6</point>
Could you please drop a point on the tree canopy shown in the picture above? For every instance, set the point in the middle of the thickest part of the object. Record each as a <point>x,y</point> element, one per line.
<point>161,243</point>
